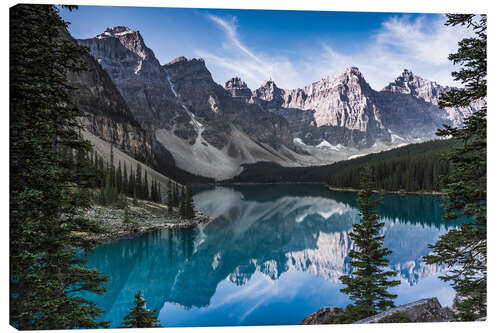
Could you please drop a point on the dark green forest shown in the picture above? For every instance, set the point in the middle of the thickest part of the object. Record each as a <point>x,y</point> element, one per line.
<point>108,185</point>
<point>413,168</point>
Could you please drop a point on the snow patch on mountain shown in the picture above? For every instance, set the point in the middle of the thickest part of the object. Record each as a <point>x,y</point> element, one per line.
<point>299,141</point>
<point>395,137</point>
<point>328,145</point>
<point>355,156</point>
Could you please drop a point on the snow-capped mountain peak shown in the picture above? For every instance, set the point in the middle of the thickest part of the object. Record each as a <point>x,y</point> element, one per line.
<point>115,32</point>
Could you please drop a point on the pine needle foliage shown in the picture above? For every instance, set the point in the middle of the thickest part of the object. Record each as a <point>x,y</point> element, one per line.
<point>189,207</point>
<point>46,227</point>
<point>463,249</point>
<point>370,279</point>
<point>139,316</point>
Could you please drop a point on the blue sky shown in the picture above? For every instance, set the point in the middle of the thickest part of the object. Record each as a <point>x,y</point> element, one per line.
<point>295,48</point>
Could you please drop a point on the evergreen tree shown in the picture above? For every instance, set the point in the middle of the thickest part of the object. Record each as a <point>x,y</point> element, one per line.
<point>119,179</point>
<point>155,191</point>
<point>111,171</point>
<point>125,180</point>
<point>158,192</point>
<point>110,192</point>
<point>152,193</point>
<point>138,181</point>
<point>101,172</point>
<point>96,160</point>
<point>126,216</point>
<point>170,197</point>
<point>189,202</point>
<point>131,183</point>
<point>182,203</point>
<point>145,191</point>
<point>134,195</point>
<point>175,192</point>
<point>45,225</point>
<point>464,249</point>
<point>139,316</point>
<point>370,280</point>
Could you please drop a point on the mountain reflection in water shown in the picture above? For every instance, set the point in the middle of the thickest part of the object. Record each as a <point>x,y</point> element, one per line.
<point>271,255</point>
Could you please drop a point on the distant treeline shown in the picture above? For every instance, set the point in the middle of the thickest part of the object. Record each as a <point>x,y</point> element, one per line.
<point>413,168</point>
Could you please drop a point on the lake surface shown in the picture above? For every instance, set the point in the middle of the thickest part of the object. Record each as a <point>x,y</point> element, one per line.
<point>272,255</point>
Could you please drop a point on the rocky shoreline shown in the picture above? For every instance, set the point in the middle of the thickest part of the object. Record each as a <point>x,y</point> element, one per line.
<point>424,310</point>
<point>349,189</point>
<point>144,216</point>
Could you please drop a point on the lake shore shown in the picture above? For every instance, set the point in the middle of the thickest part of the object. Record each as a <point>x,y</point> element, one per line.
<point>349,189</point>
<point>144,216</point>
<point>223,183</point>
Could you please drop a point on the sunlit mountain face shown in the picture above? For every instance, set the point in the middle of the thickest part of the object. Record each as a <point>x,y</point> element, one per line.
<point>272,254</point>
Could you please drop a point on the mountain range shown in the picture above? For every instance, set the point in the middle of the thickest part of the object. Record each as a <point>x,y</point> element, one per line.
<point>175,118</point>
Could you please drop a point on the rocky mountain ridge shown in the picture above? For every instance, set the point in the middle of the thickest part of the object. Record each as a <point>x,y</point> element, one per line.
<point>194,118</point>
<point>238,89</point>
<point>345,110</point>
<point>108,117</point>
<point>212,130</point>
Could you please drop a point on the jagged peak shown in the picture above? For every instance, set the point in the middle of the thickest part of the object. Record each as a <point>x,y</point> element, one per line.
<point>348,74</point>
<point>407,79</point>
<point>121,29</point>
<point>178,59</point>
<point>235,82</point>
<point>407,72</point>
<point>183,59</point>
<point>407,76</point>
<point>269,84</point>
<point>116,32</point>
<point>269,80</point>
<point>353,71</point>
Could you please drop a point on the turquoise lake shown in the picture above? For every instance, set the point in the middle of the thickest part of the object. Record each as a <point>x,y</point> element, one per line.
<point>272,255</point>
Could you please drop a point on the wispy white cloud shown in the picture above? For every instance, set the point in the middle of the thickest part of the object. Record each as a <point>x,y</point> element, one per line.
<point>236,59</point>
<point>420,44</point>
<point>230,29</point>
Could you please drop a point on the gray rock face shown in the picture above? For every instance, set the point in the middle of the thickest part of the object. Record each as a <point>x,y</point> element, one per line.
<point>422,311</point>
<point>340,110</point>
<point>344,101</point>
<point>195,119</point>
<point>218,111</point>
<point>320,317</point>
<point>124,55</point>
<point>269,95</point>
<point>238,89</point>
<point>138,76</point>
<point>345,110</point>
<point>423,95</point>
<point>413,85</point>
<point>107,114</point>
<point>108,117</point>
